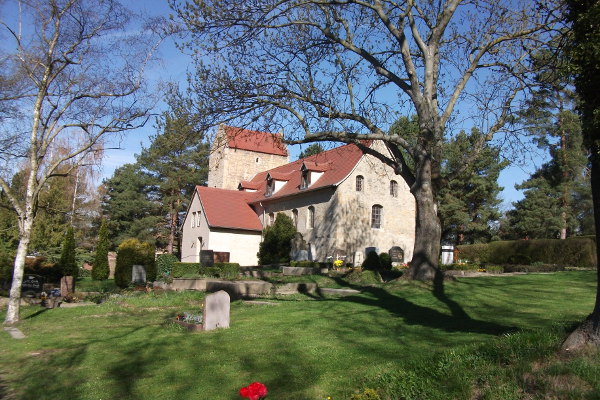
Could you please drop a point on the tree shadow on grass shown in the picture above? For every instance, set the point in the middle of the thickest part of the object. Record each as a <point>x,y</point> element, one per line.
<point>457,321</point>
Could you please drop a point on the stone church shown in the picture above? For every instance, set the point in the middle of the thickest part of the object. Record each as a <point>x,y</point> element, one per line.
<point>343,201</point>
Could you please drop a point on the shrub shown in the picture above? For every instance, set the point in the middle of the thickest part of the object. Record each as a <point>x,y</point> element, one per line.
<point>534,268</point>
<point>372,262</point>
<point>276,244</point>
<point>576,252</point>
<point>52,272</point>
<point>133,252</point>
<point>181,269</point>
<point>7,258</point>
<point>100,269</point>
<point>228,270</point>
<point>367,394</point>
<point>67,256</point>
<point>386,261</point>
<point>164,265</point>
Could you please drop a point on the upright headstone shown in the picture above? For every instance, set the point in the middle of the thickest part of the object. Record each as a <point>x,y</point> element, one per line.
<point>112,264</point>
<point>138,274</point>
<point>358,258</point>
<point>299,248</point>
<point>32,284</point>
<point>207,258</point>
<point>67,285</point>
<point>216,310</point>
<point>396,254</point>
<point>447,255</point>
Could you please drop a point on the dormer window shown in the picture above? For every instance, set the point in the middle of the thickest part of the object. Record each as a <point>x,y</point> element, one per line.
<point>305,179</point>
<point>270,187</point>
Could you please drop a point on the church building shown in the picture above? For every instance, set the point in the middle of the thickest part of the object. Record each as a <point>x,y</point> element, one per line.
<point>343,201</point>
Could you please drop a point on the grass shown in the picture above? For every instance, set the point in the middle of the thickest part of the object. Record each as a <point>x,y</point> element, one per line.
<point>488,338</point>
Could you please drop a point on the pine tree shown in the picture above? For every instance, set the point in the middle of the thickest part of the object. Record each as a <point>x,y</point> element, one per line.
<point>311,150</point>
<point>67,256</point>
<point>100,269</point>
<point>177,160</point>
<point>469,203</point>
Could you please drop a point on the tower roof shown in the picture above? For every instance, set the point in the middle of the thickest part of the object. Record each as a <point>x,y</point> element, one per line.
<point>261,142</point>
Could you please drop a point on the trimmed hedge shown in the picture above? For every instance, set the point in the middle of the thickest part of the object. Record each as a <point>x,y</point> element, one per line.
<point>304,264</point>
<point>181,269</point>
<point>164,265</point>
<point>576,252</point>
<point>228,270</point>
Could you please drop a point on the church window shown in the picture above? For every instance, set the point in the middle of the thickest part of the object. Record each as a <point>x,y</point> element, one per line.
<point>271,219</point>
<point>376,216</point>
<point>394,188</point>
<point>193,222</point>
<point>295,217</point>
<point>359,183</point>
<point>310,223</point>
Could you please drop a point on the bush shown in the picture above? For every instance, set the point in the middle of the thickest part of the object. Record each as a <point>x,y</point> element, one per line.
<point>228,270</point>
<point>576,252</point>
<point>164,265</point>
<point>385,261</point>
<point>133,252</point>
<point>372,262</point>
<point>67,255</point>
<point>7,259</point>
<point>181,269</point>
<point>100,268</point>
<point>534,268</point>
<point>277,241</point>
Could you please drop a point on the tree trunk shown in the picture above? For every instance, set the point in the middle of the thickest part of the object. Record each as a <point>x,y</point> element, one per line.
<point>428,232</point>
<point>589,331</point>
<point>14,302</point>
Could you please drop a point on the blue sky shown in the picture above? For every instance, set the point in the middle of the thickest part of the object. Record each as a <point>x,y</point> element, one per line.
<point>173,66</point>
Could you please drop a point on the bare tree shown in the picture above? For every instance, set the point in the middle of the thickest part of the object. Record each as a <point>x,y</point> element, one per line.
<point>74,77</point>
<point>345,69</point>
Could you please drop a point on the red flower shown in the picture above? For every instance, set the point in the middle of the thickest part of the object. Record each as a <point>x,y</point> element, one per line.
<point>254,391</point>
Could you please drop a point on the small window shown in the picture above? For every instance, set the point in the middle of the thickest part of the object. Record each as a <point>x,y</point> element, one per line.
<point>271,219</point>
<point>270,187</point>
<point>394,188</point>
<point>305,179</point>
<point>295,217</point>
<point>257,160</point>
<point>376,216</point>
<point>310,223</point>
<point>198,219</point>
<point>359,183</point>
<point>193,222</point>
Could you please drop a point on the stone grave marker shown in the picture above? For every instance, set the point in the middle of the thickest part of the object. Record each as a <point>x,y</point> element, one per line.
<point>32,284</point>
<point>138,274</point>
<point>67,285</point>
<point>207,258</point>
<point>396,254</point>
<point>216,310</point>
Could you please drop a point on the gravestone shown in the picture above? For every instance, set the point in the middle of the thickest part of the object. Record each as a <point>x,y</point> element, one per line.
<point>138,274</point>
<point>216,310</point>
<point>67,285</point>
<point>358,258</point>
<point>299,248</point>
<point>371,249</point>
<point>396,254</point>
<point>447,255</point>
<point>221,256</point>
<point>207,258</point>
<point>32,284</point>
<point>112,264</point>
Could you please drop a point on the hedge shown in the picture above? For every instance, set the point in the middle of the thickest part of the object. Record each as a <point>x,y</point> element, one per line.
<point>181,269</point>
<point>133,252</point>
<point>164,265</point>
<point>576,252</point>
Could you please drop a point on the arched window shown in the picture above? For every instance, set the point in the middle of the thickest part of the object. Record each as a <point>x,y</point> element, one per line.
<point>271,219</point>
<point>310,223</point>
<point>376,216</point>
<point>295,217</point>
<point>359,183</point>
<point>394,188</point>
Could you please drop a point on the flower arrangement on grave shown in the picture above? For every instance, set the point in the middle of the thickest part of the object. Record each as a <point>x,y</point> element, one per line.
<point>338,264</point>
<point>254,391</point>
<point>403,266</point>
<point>190,318</point>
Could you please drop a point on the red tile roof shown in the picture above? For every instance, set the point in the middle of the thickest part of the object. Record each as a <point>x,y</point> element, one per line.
<point>336,164</point>
<point>262,142</point>
<point>228,208</point>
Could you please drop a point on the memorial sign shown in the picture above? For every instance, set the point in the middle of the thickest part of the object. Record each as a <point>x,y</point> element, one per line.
<point>207,258</point>
<point>396,254</point>
<point>32,283</point>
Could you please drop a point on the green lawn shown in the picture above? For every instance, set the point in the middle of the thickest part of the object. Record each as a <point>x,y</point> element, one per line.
<point>401,338</point>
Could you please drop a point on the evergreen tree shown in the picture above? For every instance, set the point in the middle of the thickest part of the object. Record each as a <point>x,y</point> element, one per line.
<point>311,150</point>
<point>177,159</point>
<point>469,202</point>
<point>277,241</point>
<point>100,269</point>
<point>131,205</point>
<point>67,256</point>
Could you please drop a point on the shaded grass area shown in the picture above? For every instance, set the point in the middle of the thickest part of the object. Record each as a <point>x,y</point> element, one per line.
<point>476,337</point>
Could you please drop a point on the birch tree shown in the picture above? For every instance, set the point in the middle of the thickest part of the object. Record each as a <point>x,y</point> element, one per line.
<point>344,70</point>
<point>75,76</point>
